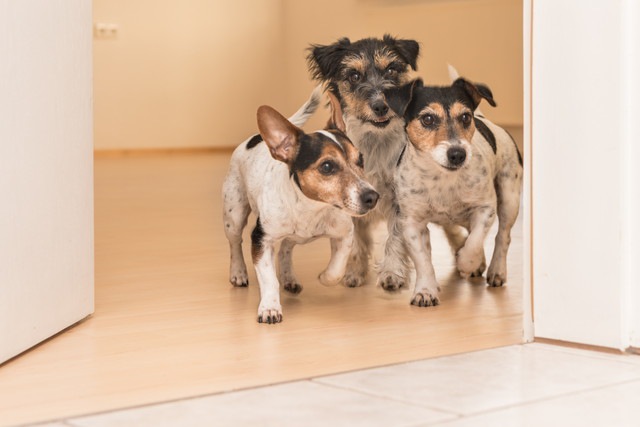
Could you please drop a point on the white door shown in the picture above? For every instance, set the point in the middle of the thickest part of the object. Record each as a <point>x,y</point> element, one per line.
<point>46,170</point>
<point>585,185</point>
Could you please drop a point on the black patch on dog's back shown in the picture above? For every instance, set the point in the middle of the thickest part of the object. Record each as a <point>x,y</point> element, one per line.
<point>255,140</point>
<point>486,133</point>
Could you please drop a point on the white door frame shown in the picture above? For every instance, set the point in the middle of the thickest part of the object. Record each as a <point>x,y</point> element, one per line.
<point>582,187</point>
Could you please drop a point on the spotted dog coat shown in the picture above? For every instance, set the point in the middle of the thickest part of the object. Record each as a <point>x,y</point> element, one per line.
<point>459,169</point>
<point>301,187</point>
<point>358,73</point>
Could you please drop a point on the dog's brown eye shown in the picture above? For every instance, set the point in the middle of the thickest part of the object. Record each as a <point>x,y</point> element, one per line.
<point>391,73</point>
<point>466,118</point>
<point>327,168</point>
<point>355,77</point>
<point>428,120</point>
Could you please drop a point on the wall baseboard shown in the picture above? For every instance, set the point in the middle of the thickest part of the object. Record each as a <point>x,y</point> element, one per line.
<point>145,152</point>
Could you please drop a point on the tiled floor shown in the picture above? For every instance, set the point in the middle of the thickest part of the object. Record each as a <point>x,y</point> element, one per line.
<point>522,385</point>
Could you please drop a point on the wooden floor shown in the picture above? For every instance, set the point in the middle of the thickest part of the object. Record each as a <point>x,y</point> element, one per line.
<point>168,325</point>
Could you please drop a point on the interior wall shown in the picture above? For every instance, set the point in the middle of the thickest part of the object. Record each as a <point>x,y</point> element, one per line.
<point>46,170</point>
<point>481,38</point>
<point>192,73</point>
<point>184,73</point>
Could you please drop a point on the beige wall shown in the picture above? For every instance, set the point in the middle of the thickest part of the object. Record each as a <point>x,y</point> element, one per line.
<point>187,73</point>
<point>192,73</point>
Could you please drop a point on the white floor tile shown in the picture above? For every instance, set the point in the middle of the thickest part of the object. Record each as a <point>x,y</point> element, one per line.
<point>486,380</point>
<point>615,406</point>
<point>294,404</point>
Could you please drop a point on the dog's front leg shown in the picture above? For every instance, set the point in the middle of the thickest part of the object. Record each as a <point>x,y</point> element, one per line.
<point>470,259</point>
<point>393,267</point>
<point>340,250</point>
<point>358,260</point>
<point>270,310</point>
<point>418,245</point>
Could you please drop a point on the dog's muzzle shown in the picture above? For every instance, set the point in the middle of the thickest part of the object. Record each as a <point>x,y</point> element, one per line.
<point>381,111</point>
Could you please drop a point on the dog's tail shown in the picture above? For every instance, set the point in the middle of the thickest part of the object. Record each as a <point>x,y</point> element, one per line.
<point>453,76</point>
<point>453,73</point>
<point>301,116</point>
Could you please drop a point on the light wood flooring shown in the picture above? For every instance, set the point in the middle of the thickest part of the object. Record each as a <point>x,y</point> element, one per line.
<point>168,325</point>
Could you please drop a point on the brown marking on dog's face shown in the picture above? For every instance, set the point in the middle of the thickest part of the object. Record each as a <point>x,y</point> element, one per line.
<point>363,72</point>
<point>329,169</point>
<point>364,79</point>
<point>438,128</point>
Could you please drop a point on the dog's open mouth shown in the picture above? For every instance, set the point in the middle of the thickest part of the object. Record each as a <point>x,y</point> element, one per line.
<point>380,122</point>
<point>452,167</point>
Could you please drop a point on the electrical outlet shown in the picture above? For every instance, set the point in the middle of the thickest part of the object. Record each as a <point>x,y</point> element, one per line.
<point>105,31</point>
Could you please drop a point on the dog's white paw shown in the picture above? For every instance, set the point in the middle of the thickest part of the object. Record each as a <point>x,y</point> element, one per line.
<point>353,279</point>
<point>292,287</point>
<point>480,270</point>
<point>497,274</point>
<point>239,278</point>
<point>470,263</point>
<point>391,281</point>
<point>290,283</point>
<point>425,299</point>
<point>495,279</point>
<point>356,273</point>
<point>270,316</point>
<point>328,279</point>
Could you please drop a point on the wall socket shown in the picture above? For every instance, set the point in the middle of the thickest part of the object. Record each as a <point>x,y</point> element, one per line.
<point>105,31</point>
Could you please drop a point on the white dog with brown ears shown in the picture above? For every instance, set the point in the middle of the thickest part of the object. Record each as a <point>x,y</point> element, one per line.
<point>459,170</point>
<point>301,187</point>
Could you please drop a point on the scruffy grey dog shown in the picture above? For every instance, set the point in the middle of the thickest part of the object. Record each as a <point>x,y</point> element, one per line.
<point>358,73</point>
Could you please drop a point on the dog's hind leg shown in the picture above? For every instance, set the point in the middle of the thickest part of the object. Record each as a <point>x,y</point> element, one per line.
<point>358,262</point>
<point>508,206</point>
<point>235,212</point>
<point>285,267</point>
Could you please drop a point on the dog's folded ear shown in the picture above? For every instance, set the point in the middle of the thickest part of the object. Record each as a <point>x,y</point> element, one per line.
<point>399,98</point>
<point>325,61</point>
<point>408,49</point>
<point>280,135</point>
<point>477,91</point>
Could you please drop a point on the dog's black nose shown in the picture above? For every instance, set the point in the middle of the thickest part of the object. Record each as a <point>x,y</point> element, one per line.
<point>380,107</point>
<point>456,155</point>
<point>369,199</point>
